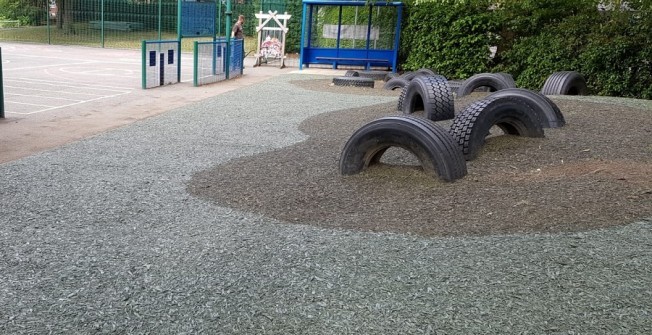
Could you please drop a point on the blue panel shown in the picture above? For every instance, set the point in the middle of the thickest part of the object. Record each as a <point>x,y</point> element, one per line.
<point>152,58</point>
<point>170,56</point>
<point>198,19</point>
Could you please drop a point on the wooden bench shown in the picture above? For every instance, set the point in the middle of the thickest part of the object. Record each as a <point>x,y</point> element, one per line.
<point>362,61</point>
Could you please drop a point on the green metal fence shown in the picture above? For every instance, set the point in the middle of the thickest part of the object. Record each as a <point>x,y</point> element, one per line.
<point>2,92</point>
<point>104,23</point>
<point>124,23</point>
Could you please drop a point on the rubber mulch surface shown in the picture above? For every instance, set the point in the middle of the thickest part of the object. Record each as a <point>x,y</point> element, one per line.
<point>592,173</point>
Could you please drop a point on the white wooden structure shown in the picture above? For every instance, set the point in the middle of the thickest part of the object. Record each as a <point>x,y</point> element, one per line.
<point>270,47</point>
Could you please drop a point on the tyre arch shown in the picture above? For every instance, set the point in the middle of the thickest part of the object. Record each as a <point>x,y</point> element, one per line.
<point>395,83</point>
<point>549,113</point>
<point>565,83</point>
<point>431,93</point>
<point>471,126</point>
<point>495,82</point>
<point>438,153</point>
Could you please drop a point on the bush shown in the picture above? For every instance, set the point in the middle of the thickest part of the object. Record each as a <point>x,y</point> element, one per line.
<point>450,37</point>
<point>531,59</point>
<point>28,12</point>
<point>534,38</point>
<point>609,48</point>
<point>617,59</point>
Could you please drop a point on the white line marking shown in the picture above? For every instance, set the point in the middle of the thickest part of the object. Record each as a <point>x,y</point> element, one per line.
<point>68,105</point>
<point>24,103</point>
<point>86,61</point>
<point>45,66</point>
<point>58,83</point>
<point>48,97</point>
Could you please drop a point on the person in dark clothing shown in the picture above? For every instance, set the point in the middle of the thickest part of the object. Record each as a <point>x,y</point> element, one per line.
<point>238,33</point>
<point>237,28</point>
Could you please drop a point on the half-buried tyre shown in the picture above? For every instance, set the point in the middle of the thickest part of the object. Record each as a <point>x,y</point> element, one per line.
<point>352,73</point>
<point>430,94</point>
<point>389,76</point>
<point>353,81</point>
<point>373,74</point>
<point>438,153</point>
<point>420,72</point>
<point>549,113</point>
<point>509,78</point>
<point>395,83</point>
<point>401,98</point>
<point>565,83</point>
<point>471,126</point>
<point>494,81</point>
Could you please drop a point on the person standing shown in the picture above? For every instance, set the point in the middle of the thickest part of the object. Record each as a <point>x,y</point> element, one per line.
<point>238,33</point>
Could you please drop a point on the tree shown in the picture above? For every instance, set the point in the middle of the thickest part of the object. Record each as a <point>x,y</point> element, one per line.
<point>65,19</point>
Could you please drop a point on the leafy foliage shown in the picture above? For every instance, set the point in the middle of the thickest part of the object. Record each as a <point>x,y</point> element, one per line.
<point>450,37</point>
<point>608,42</point>
<point>28,12</point>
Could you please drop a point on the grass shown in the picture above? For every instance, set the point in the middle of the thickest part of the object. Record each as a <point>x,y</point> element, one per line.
<point>82,34</point>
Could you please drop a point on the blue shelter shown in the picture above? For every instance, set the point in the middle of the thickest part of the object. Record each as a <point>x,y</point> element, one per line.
<point>350,32</point>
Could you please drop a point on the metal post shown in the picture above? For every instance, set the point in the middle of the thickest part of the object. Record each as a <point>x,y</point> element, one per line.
<point>397,36</point>
<point>305,20</point>
<point>102,19</point>
<point>160,18</point>
<point>143,76</point>
<point>2,93</point>
<point>49,22</point>
<point>228,14</point>
<point>371,9</point>
<point>179,20</point>
<point>219,17</point>
<point>195,63</point>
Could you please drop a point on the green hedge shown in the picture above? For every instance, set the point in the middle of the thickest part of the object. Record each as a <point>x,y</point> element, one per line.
<point>451,37</point>
<point>534,38</point>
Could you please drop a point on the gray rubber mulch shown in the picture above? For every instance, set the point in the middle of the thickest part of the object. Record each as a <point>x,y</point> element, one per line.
<point>592,173</point>
<point>103,235</point>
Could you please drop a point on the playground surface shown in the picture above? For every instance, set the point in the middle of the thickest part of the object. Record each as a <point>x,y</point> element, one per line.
<point>226,215</point>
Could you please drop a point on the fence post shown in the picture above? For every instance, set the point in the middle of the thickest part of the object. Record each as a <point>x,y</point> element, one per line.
<point>228,14</point>
<point>2,93</point>
<point>102,24</point>
<point>143,76</point>
<point>195,63</point>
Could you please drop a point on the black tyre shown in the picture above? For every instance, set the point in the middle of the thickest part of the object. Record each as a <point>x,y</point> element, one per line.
<point>420,72</point>
<point>353,81</point>
<point>401,98</point>
<point>395,83</point>
<point>435,148</point>
<point>375,75</point>
<point>409,75</point>
<point>495,82</point>
<point>454,85</point>
<point>509,78</point>
<point>352,73</point>
<point>565,83</point>
<point>471,126</point>
<point>432,94</point>
<point>549,113</point>
<point>389,76</point>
